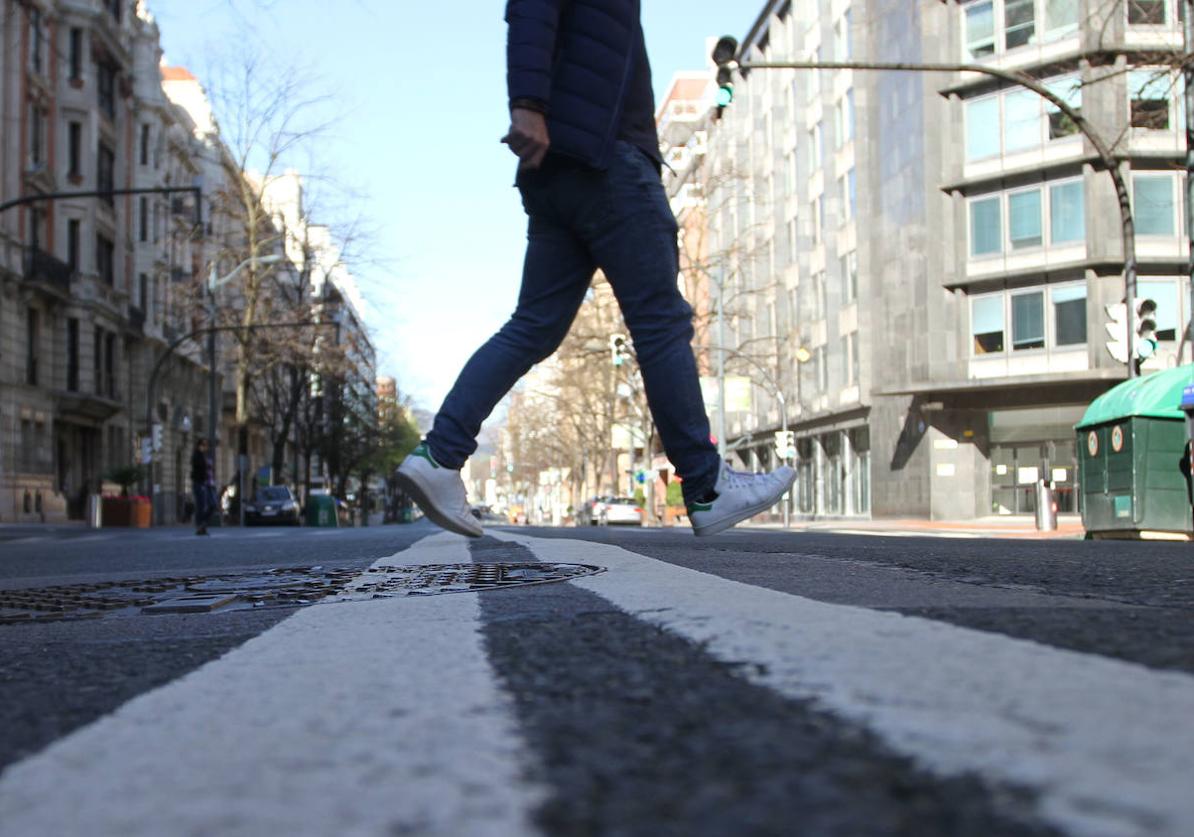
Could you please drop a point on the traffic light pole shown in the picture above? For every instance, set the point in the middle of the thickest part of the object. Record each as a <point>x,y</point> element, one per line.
<point>727,48</point>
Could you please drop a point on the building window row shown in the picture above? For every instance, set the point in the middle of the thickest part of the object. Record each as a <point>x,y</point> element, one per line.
<point>996,26</point>
<point>1028,218</point>
<point>1019,120</point>
<point>1054,316</point>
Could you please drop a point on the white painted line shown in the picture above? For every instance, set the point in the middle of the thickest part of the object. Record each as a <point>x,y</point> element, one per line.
<point>373,718</point>
<point>1108,745</point>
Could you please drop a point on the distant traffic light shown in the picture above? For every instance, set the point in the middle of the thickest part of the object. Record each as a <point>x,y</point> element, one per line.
<point>785,444</point>
<point>619,349</point>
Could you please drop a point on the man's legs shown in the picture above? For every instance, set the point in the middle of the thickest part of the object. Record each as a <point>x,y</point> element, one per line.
<point>635,244</point>
<point>556,275</point>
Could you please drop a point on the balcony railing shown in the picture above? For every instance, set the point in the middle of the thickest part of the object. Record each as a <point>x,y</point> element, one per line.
<point>40,266</point>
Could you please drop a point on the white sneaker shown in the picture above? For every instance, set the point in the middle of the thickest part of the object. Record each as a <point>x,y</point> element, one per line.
<point>439,492</point>
<point>739,496</point>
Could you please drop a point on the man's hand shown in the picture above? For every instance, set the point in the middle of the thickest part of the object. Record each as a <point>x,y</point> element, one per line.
<point>528,137</point>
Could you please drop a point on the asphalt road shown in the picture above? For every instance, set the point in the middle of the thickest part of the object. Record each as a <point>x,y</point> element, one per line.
<point>758,683</point>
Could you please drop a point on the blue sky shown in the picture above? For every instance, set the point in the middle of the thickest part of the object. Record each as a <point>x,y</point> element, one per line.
<point>422,87</point>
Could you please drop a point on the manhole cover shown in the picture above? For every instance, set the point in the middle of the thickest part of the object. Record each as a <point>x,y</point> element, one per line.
<point>432,579</point>
<point>286,587</point>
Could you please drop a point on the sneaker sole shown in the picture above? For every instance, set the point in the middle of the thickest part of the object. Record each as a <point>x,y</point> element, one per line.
<point>707,529</point>
<point>412,487</point>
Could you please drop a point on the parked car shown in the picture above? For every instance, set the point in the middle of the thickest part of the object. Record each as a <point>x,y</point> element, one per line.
<point>274,504</point>
<point>589,513</point>
<point>620,510</point>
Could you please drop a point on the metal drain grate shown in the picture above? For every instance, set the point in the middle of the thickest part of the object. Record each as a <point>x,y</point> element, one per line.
<point>286,587</point>
<point>183,594</point>
<point>433,579</point>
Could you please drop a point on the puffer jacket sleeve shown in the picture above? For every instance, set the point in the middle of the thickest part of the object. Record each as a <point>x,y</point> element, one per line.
<point>530,47</point>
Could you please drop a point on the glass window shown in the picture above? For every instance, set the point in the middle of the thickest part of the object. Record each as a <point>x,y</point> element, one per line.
<point>986,324</point>
<point>980,29</point>
<point>1069,315</point>
<point>1024,219</point>
<point>1028,321</point>
<point>982,128</point>
<point>849,270</point>
<point>1152,204</point>
<point>1022,127</point>
<point>986,227</point>
<point>1067,216</point>
<point>1164,293</point>
<point>1149,91</point>
<point>1146,12</point>
<point>1061,17</point>
<point>1069,90</point>
<point>1019,22</point>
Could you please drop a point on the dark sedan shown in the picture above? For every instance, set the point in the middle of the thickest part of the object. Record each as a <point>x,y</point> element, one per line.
<point>273,504</point>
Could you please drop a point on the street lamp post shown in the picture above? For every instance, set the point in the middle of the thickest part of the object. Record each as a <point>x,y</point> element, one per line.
<point>213,410</point>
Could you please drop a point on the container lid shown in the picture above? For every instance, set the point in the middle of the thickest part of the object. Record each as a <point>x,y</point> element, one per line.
<point>1158,395</point>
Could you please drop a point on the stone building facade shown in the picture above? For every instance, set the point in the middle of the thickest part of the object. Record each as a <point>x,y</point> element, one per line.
<point>926,259</point>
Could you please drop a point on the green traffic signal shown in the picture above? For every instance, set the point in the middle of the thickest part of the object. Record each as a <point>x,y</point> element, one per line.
<point>725,95</point>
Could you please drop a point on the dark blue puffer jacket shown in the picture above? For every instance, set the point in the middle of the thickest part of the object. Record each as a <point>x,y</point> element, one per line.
<point>574,58</point>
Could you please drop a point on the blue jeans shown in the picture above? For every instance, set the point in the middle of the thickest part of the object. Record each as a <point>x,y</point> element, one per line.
<point>582,219</point>
<point>205,503</point>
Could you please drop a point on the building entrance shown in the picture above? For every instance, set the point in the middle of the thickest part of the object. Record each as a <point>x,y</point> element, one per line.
<point>1029,445</point>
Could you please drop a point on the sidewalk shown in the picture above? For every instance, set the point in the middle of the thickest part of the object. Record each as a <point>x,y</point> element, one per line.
<point>1020,527</point>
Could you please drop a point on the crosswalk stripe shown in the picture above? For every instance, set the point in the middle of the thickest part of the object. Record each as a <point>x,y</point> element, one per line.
<point>372,718</point>
<point>1107,745</point>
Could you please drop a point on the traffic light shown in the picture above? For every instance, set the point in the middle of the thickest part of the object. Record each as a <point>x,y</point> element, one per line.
<point>1144,324</point>
<point>785,444</point>
<point>1117,330</point>
<point>619,349</point>
<point>723,57</point>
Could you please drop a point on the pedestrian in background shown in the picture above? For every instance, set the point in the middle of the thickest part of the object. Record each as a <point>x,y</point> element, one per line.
<point>203,486</point>
<point>582,124</point>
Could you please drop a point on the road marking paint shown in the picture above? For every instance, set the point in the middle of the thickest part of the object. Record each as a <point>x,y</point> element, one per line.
<point>373,718</point>
<point>1108,745</point>
<point>32,539</point>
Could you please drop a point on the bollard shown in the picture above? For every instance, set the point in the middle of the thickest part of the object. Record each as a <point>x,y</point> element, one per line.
<point>1046,507</point>
<point>95,511</point>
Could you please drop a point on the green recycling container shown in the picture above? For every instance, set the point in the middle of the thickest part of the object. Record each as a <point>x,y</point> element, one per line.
<point>1130,443</point>
<point>321,511</point>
